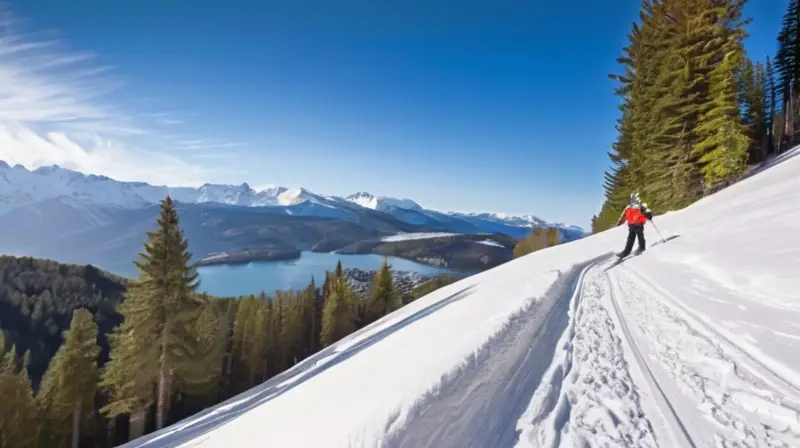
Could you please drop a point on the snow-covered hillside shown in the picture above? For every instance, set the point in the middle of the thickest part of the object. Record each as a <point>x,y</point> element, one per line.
<point>22,187</point>
<point>694,343</point>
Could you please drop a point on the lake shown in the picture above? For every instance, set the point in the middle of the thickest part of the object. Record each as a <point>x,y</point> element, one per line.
<point>269,276</point>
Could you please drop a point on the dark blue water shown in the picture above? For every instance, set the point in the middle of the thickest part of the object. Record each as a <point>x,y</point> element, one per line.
<point>269,276</point>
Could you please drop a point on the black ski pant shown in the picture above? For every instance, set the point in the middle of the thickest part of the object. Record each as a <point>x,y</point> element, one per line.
<point>635,231</point>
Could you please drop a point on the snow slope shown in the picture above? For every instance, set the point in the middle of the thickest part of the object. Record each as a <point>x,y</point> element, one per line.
<point>695,343</point>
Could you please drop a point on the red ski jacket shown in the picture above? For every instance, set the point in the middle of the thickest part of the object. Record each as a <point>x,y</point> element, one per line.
<point>635,215</point>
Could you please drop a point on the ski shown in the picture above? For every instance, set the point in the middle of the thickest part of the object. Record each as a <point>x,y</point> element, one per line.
<point>621,260</point>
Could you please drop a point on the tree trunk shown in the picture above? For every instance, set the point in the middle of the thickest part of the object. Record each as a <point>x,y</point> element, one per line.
<point>161,405</point>
<point>313,325</point>
<point>76,424</point>
<point>788,122</point>
<point>137,423</point>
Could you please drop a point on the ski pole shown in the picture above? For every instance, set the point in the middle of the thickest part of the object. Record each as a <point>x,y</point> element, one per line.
<point>657,231</point>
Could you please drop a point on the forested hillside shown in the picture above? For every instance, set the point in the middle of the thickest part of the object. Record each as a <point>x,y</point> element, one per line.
<point>697,111</point>
<point>94,359</point>
<point>37,298</point>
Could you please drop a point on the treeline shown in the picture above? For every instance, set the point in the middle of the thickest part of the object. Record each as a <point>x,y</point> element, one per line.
<point>696,110</point>
<point>141,354</point>
<point>538,239</point>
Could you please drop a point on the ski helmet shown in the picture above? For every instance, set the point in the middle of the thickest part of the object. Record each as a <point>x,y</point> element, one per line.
<point>635,200</point>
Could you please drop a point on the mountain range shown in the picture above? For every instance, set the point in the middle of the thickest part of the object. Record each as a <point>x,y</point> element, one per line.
<point>64,214</point>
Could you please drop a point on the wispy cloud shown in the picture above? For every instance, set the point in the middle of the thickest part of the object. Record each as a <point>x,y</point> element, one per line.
<point>56,107</point>
<point>206,144</point>
<point>169,118</point>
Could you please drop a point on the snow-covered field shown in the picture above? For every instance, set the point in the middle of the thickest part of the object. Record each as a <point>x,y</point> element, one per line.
<point>695,343</point>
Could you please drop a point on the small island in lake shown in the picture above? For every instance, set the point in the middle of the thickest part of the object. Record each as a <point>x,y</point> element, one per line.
<point>460,252</point>
<point>249,255</point>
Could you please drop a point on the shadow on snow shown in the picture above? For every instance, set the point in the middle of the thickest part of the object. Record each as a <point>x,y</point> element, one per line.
<point>480,403</point>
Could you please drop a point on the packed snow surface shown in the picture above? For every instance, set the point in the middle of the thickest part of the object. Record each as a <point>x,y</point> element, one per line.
<point>695,343</point>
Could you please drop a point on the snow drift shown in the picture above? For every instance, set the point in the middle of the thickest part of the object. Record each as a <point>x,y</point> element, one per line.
<point>694,343</point>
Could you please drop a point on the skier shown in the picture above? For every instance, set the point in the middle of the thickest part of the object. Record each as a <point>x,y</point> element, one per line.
<point>636,214</point>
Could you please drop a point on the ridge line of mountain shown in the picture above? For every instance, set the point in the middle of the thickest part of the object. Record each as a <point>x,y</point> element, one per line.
<point>55,181</point>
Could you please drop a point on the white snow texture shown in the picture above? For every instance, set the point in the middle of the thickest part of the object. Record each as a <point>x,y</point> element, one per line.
<point>695,343</point>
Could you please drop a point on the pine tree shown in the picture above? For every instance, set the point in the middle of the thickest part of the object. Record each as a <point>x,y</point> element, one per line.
<point>787,63</point>
<point>257,346</point>
<point>553,237</point>
<point>383,298</point>
<point>753,97</point>
<point>249,342</point>
<point>155,346</point>
<point>771,107</point>
<point>339,312</point>
<point>66,394</point>
<point>339,272</point>
<point>312,317</point>
<point>211,332</point>
<point>726,143</point>
<point>19,419</point>
<point>671,86</point>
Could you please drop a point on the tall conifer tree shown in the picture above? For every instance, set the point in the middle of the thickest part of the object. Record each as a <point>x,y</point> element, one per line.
<point>19,419</point>
<point>66,394</point>
<point>154,351</point>
<point>383,298</point>
<point>339,312</point>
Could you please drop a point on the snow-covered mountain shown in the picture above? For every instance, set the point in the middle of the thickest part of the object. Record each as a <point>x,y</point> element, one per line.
<point>19,186</point>
<point>382,203</point>
<point>411,212</point>
<point>22,187</point>
<point>692,344</point>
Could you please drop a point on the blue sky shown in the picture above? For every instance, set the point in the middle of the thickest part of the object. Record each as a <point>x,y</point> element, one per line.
<point>470,106</point>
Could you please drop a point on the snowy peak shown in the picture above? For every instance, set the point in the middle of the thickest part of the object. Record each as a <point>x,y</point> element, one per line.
<point>20,187</point>
<point>518,220</point>
<point>295,196</point>
<point>364,199</point>
<point>233,195</point>
<point>382,203</point>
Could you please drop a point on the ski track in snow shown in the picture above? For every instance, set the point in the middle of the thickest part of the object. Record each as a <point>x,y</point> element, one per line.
<point>712,387</point>
<point>479,403</point>
<point>588,397</point>
<point>631,371</point>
